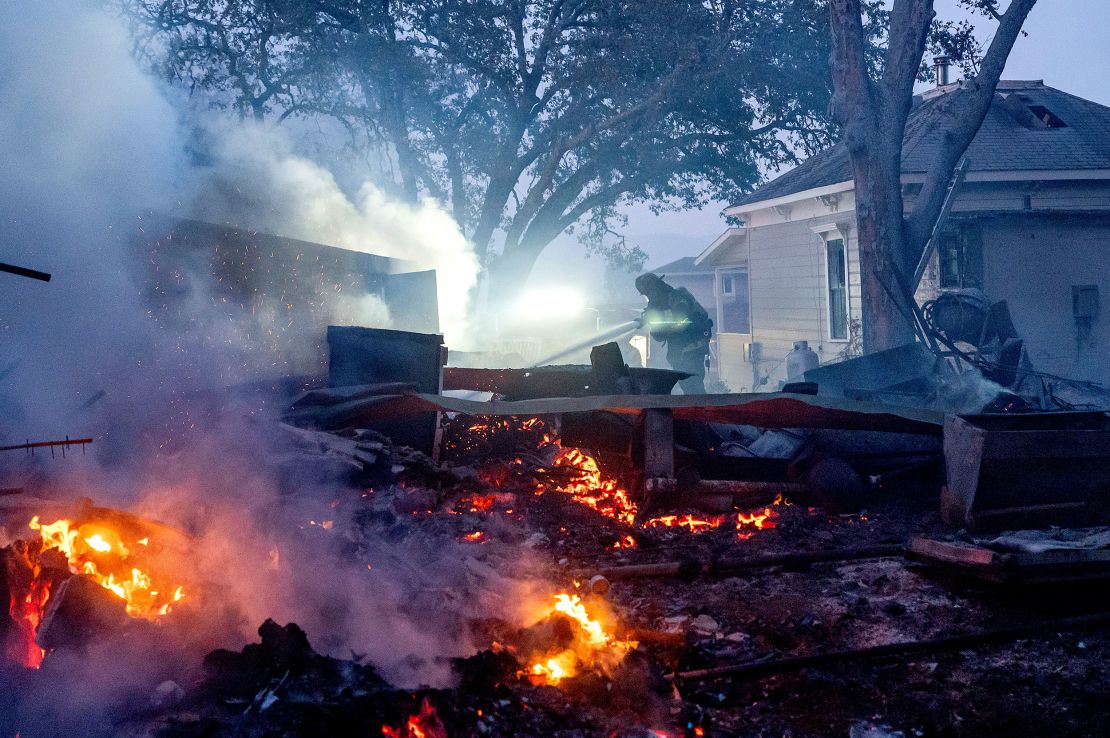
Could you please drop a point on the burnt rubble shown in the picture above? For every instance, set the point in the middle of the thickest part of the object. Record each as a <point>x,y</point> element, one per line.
<point>797,616</point>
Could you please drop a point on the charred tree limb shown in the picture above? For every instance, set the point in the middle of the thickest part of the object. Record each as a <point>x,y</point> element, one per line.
<point>24,272</point>
<point>757,669</point>
<point>966,115</point>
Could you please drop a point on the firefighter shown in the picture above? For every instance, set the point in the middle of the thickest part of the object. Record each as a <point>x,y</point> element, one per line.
<point>673,317</point>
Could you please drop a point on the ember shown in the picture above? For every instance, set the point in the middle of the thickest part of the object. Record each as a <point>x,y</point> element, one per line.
<point>589,487</point>
<point>695,525</point>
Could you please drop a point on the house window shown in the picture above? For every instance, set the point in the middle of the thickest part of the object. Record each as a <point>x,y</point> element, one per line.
<point>733,304</point>
<point>960,252</point>
<point>837,261</point>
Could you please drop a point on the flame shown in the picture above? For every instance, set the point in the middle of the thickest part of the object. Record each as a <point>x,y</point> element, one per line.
<point>26,612</point>
<point>592,645</point>
<point>479,503</point>
<point>99,553</point>
<point>424,724</point>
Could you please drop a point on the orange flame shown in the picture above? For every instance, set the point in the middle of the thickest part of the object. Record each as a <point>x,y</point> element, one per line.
<point>99,553</point>
<point>424,724</point>
<point>592,645</point>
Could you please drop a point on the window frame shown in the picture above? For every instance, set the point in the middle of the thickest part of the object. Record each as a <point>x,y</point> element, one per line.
<point>961,235</point>
<point>827,238</point>
<point>735,273</point>
<point>731,291</point>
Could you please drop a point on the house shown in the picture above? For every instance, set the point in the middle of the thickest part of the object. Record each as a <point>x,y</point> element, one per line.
<point>1030,225</point>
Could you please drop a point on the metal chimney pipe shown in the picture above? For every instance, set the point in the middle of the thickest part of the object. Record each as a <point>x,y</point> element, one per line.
<point>940,63</point>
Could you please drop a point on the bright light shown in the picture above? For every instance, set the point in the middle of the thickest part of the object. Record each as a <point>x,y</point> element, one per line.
<point>550,303</point>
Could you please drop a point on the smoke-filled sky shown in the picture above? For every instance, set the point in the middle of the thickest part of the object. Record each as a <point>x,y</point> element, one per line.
<point>1068,46</point>
<point>89,144</point>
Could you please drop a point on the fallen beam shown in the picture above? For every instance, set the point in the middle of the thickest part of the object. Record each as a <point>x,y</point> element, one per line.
<point>757,669</point>
<point>692,569</point>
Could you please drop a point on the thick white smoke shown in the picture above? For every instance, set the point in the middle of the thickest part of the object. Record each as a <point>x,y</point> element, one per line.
<point>285,193</point>
<point>88,143</point>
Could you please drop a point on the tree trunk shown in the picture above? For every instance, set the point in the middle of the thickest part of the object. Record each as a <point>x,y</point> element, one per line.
<point>886,319</point>
<point>508,273</point>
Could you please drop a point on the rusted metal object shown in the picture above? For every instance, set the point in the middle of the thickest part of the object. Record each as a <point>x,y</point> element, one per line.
<point>1026,469</point>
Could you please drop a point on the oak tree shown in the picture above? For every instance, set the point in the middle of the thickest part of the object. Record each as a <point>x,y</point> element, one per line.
<point>872,104</point>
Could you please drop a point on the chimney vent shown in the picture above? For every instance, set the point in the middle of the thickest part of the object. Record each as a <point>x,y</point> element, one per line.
<point>940,63</point>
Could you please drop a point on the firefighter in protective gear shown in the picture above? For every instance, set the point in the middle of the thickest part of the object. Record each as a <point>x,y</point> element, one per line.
<point>673,317</point>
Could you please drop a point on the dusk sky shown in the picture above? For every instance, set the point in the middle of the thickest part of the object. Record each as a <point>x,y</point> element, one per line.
<point>1068,46</point>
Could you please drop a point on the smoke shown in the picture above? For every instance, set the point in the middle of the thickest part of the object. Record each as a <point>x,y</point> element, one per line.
<point>281,192</point>
<point>90,144</point>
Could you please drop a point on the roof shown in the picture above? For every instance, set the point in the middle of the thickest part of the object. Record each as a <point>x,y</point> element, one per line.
<point>685,265</point>
<point>1003,144</point>
<point>730,236</point>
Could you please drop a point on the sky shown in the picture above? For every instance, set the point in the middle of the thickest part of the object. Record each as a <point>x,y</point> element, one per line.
<point>1068,46</point>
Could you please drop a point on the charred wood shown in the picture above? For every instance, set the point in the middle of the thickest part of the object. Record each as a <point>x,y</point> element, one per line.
<point>758,669</point>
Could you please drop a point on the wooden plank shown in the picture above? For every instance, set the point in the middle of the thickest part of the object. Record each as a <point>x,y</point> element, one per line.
<point>956,552</point>
<point>658,443</point>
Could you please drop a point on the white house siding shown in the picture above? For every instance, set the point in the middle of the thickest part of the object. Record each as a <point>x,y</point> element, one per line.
<point>1032,263</point>
<point>785,254</point>
<point>789,293</point>
<point>734,371</point>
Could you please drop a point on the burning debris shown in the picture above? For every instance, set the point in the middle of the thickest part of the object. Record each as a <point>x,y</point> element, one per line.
<point>50,573</point>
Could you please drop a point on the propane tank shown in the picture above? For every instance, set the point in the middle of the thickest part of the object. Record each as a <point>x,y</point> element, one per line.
<point>800,360</point>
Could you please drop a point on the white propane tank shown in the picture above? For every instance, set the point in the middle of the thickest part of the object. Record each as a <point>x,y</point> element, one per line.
<point>800,360</point>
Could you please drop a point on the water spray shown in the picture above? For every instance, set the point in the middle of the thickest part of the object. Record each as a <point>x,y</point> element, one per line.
<point>607,335</point>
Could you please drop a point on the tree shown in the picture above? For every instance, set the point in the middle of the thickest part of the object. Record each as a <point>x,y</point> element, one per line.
<point>527,118</point>
<point>872,107</point>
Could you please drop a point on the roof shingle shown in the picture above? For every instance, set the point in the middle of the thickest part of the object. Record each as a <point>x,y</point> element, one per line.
<point>1002,143</point>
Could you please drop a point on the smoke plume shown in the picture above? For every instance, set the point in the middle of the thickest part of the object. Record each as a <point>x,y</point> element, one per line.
<point>90,143</point>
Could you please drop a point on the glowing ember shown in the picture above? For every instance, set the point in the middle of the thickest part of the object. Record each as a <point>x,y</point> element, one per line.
<point>478,503</point>
<point>475,537</point>
<point>589,487</point>
<point>592,646</point>
<point>695,525</point>
<point>625,542</point>
<point>748,523</point>
<point>424,724</point>
<point>99,553</point>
